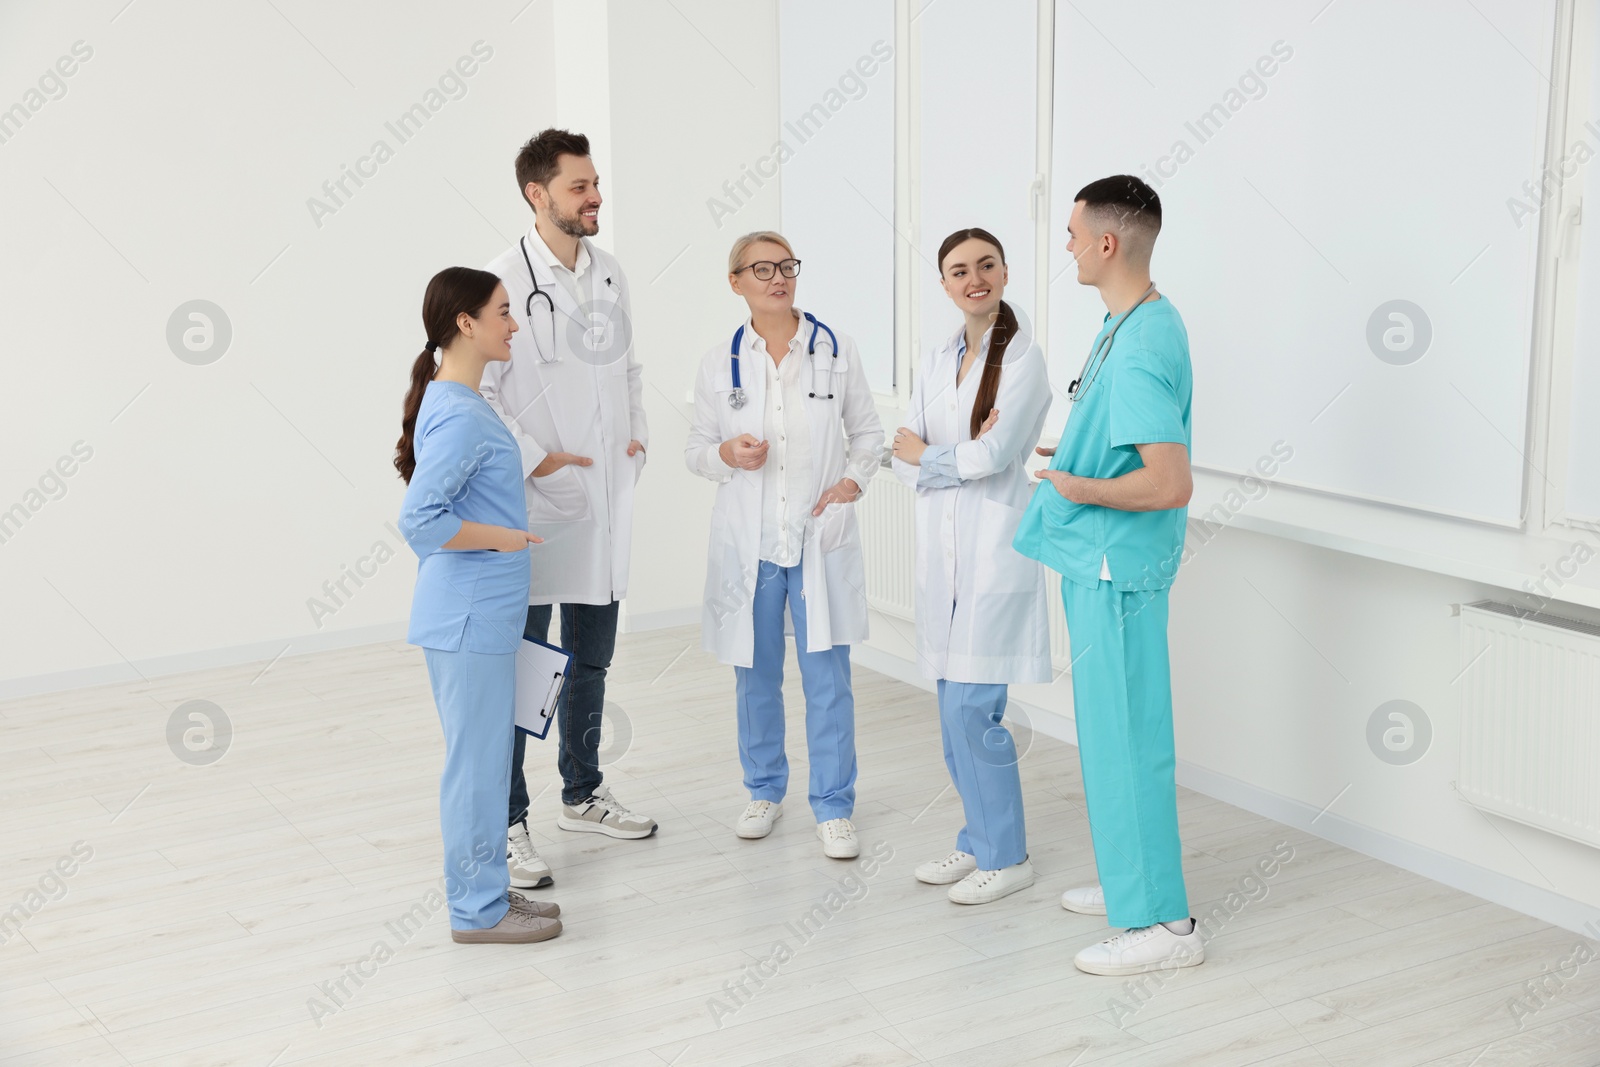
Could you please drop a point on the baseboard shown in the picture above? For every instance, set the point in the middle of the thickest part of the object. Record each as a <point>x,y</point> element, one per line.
<point>121,673</point>
<point>635,622</point>
<point>1497,888</point>
<point>231,656</point>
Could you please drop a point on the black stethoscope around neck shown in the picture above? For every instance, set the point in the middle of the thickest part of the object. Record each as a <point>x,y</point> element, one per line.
<point>538,293</point>
<point>737,398</point>
<point>1102,352</point>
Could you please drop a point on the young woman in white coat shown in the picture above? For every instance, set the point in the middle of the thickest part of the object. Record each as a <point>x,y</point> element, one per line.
<point>977,408</point>
<point>784,422</point>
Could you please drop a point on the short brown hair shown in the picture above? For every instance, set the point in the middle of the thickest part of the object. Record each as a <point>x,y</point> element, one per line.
<point>539,160</point>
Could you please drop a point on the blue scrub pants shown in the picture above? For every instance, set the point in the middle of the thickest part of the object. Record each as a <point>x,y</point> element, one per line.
<point>830,705</point>
<point>1122,697</point>
<point>982,758</point>
<point>475,694</point>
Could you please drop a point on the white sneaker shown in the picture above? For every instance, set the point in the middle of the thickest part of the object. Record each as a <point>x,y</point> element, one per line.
<point>1089,900</point>
<point>528,871</point>
<point>1144,949</point>
<point>980,887</point>
<point>952,868</point>
<point>757,820</point>
<point>838,839</point>
<point>604,814</point>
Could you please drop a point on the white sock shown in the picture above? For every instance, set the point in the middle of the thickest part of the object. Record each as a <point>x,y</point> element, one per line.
<point>1183,926</point>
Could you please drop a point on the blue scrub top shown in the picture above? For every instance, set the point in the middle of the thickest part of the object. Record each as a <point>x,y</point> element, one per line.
<point>469,468</point>
<point>1141,396</point>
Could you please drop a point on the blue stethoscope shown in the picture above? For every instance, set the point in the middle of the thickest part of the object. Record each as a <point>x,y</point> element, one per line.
<point>736,399</point>
<point>1102,351</point>
<point>550,305</point>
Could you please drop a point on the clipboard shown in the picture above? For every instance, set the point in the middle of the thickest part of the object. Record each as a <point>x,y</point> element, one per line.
<point>541,672</point>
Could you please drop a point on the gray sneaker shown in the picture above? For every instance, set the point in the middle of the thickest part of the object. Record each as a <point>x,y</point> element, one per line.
<point>602,814</point>
<point>542,908</point>
<point>518,927</point>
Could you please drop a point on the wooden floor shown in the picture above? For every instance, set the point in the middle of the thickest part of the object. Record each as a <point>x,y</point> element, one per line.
<point>253,911</point>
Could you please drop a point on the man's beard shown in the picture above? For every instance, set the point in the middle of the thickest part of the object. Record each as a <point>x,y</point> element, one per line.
<point>573,225</point>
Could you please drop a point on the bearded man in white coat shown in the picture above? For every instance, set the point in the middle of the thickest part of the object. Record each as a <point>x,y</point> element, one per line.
<point>572,395</point>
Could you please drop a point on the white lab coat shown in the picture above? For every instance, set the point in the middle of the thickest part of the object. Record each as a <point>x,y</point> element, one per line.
<point>842,429</point>
<point>588,401</point>
<point>981,607</point>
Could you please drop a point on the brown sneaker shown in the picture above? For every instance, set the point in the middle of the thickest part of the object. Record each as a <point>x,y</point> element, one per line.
<point>543,909</point>
<point>517,928</point>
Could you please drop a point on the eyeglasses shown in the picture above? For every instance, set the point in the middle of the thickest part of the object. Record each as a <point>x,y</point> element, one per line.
<point>764,269</point>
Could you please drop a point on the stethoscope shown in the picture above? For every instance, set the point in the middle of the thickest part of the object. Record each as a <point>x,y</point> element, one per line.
<point>550,305</point>
<point>736,399</point>
<point>1097,358</point>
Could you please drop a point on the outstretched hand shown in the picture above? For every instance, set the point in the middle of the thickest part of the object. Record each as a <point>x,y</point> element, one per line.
<point>554,461</point>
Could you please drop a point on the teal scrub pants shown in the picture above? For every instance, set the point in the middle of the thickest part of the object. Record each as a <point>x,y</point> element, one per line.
<point>476,696</point>
<point>1122,697</point>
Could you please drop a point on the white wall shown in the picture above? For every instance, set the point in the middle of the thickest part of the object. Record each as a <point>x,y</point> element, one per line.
<point>1275,684</point>
<point>694,100</point>
<point>218,499</point>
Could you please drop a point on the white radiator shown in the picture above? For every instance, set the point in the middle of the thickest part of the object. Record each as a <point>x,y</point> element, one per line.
<point>888,541</point>
<point>888,545</point>
<point>1530,718</point>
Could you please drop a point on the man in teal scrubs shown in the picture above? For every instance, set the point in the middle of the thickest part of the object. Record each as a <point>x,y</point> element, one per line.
<point>1111,521</point>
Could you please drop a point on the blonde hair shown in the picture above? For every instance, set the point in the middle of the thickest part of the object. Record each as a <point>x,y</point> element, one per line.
<point>742,245</point>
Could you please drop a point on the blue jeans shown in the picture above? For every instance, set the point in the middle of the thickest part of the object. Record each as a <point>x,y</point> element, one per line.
<point>589,632</point>
<point>830,705</point>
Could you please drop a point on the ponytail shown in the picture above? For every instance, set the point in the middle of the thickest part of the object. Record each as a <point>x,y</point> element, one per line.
<point>405,456</point>
<point>1004,329</point>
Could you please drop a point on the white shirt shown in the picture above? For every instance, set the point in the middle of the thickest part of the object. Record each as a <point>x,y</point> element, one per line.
<point>786,476</point>
<point>568,278</point>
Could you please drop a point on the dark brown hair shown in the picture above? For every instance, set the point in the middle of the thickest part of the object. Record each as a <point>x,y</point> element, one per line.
<point>539,160</point>
<point>1125,200</point>
<point>1005,328</point>
<point>451,292</point>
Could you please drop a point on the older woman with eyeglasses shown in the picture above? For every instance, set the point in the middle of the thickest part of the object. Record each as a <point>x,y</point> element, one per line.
<point>785,424</point>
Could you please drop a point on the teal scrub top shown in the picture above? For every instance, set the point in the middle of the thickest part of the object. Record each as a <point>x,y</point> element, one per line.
<point>1140,396</point>
<point>469,468</point>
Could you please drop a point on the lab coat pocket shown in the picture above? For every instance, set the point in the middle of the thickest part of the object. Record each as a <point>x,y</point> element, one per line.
<point>836,527</point>
<point>1000,567</point>
<point>557,497</point>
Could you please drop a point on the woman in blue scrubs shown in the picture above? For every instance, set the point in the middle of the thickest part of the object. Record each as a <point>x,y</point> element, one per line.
<point>466,518</point>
